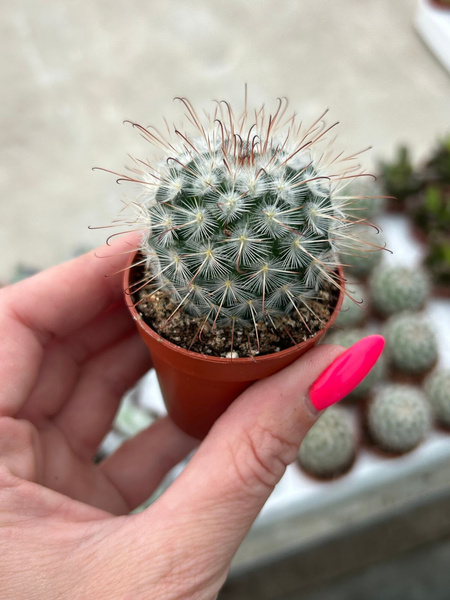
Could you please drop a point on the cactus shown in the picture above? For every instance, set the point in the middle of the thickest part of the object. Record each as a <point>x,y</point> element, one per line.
<point>437,390</point>
<point>361,255</point>
<point>398,417</point>
<point>329,447</point>
<point>243,221</point>
<point>348,338</point>
<point>411,345</point>
<point>365,200</point>
<point>398,288</point>
<point>354,306</point>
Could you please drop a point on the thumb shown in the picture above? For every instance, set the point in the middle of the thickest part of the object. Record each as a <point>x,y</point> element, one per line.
<point>223,488</point>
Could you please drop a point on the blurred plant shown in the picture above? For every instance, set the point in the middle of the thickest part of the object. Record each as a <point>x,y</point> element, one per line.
<point>354,307</point>
<point>365,200</point>
<point>23,272</point>
<point>430,210</point>
<point>361,255</point>
<point>411,345</point>
<point>398,288</point>
<point>243,219</point>
<point>438,166</point>
<point>132,418</point>
<point>398,178</point>
<point>398,418</point>
<point>437,390</point>
<point>437,260</point>
<point>329,447</point>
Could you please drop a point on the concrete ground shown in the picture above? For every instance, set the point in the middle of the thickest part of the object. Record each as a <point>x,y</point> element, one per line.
<point>418,575</point>
<point>71,72</point>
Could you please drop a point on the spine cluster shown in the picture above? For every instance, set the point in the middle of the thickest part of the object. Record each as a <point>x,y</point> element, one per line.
<point>244,217</point>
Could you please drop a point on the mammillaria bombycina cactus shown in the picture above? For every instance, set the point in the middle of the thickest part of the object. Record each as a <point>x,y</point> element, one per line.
<point>361,255</point>
<point>365,199</point>
<point>329,447</point>
<point>411,345</point>
<point>398,288</point>
<point>437,390</point>
<point>354,307</point>
<point>347,338</point>
<point>243,217</point>
<point>398,417</point>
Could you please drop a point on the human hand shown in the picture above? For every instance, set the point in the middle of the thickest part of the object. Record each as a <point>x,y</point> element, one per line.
<point>68,352</point>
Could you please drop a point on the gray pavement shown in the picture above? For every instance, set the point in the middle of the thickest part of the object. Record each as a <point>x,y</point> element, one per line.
<point>419,575</point>
<point>71,72</point>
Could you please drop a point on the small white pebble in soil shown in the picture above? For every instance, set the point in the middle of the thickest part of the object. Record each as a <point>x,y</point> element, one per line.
<point>232,355</point>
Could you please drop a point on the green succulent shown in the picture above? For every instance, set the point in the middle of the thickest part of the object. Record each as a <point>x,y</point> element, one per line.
<point>242,217</point>
<point>437,390</point>
<point>347,338</point>
<point>438,166</point>
<point>354,307</point>
<point>329,447</point>
<point>396,289</point>
<point>437,259</point>
<point>411,345</point>
<point>398,417</point>
<point>398,176</point>
<point>431,209</point>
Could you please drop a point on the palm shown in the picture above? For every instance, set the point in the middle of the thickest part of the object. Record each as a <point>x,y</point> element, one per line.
<point>64,392</point>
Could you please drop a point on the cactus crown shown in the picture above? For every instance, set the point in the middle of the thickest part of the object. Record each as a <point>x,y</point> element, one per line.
<point>243,220</point>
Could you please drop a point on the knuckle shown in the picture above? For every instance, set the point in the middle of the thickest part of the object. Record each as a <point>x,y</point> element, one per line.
<point>261,459</point>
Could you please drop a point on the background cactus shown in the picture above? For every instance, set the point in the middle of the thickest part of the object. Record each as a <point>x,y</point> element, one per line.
<point>411,345</point>
<point>329,447</point>
<point>398,288</point>
<point>437,390</point>
<point>243,219</point>
<point>348,338</point>
<point>366,199</point>
<point>361,255</point>
<point>354,307</point>
<point>398,417</point>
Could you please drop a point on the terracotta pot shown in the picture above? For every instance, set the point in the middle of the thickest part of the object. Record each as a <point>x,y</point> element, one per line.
<point>197,388</point>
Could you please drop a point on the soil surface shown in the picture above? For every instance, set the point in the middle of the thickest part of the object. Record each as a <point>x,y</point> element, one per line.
<point>192,333</point>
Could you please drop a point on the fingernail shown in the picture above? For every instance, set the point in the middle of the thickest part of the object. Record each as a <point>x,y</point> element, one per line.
<point>346,372</point>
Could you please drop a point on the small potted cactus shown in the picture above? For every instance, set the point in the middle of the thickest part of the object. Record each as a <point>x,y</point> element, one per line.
<point>237,273</point>
<point>398,288</point>
<point>398,418</point>
<point>437,391</point>
<point>330,446</point>
<point>411,346</point>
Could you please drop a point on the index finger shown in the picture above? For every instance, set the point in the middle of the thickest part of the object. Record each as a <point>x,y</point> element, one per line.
<point>60,300</point>
<point>51,306</point>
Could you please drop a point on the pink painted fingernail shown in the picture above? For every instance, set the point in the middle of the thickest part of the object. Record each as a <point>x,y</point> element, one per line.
<point>346,372</point>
